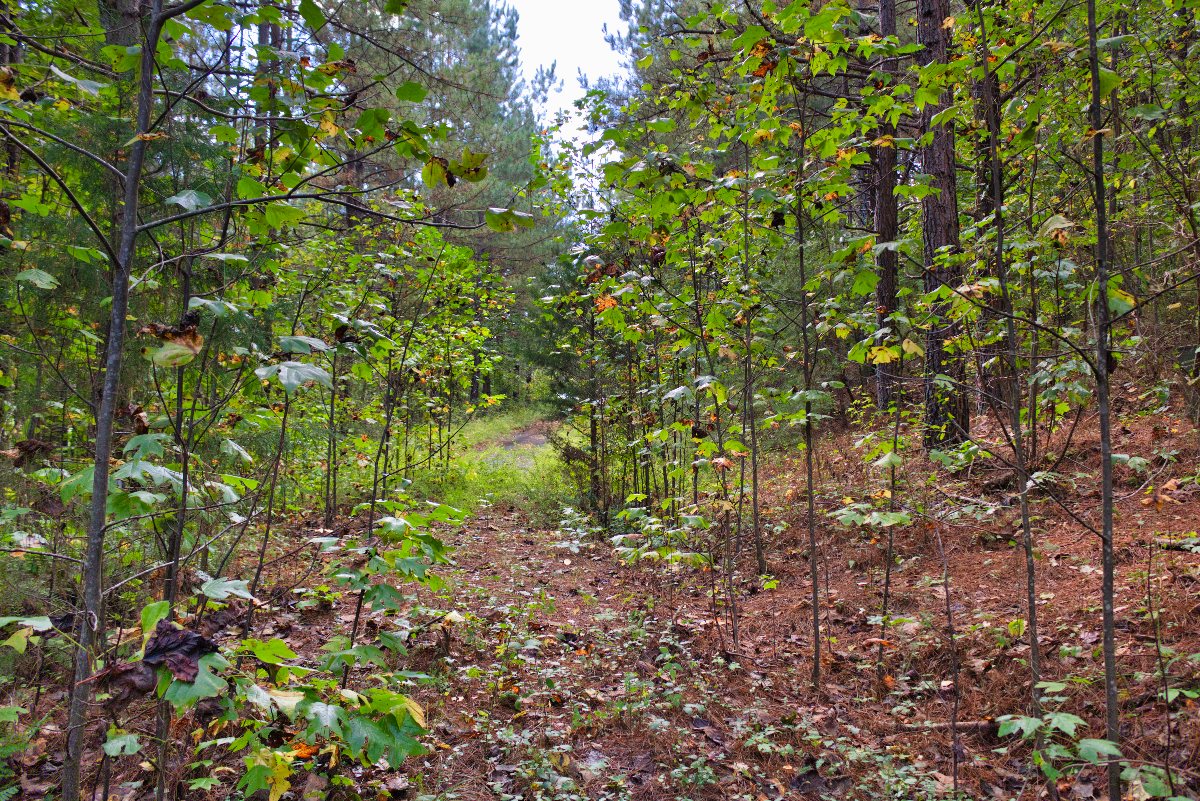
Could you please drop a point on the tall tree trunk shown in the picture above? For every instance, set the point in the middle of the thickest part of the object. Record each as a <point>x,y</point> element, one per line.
<point>986,93</point>
<point>883,161</point>
<point>122,20</point>
<point>947,417</point>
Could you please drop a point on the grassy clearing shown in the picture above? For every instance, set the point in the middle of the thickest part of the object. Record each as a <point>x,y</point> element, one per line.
<point>490,468</point>
<point>488,429</point>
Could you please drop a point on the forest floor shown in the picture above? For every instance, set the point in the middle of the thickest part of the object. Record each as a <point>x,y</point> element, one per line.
<point>552,670</point>
<point>561,672</point>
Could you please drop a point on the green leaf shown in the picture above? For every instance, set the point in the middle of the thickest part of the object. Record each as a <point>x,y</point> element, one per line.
<point>272,652</point>
<point>282,215</point>
<point>891,459</point>
<point>172,354</point>
<point>1027,727</point>
<point>1065,722</point>
<point>217,308</point>
<point>225,134</point>
<point>1148,112</point>
<point>190,200</point>
<point>231,448</point>
<point>294,374</point>
<point>9,714</point>
<point>1113,42</point>
<point>1094,751</point>
<point>436,172</point>
<point>679,393</point>
<point>249,189</point>
<point>39,278</point>
<point>151,615</point>
<point>1120,301</point>
<point>40,624</point>
<point>87,255</point>
<point>864,282</point>
<point>313,16</point>
<point>500,220</point>
<point>208,684</point>
<point>145,446</point>
<point>121,743</point>
<point>90,87</point>
<point>507,220</point>
<point>325,719</point>
<point>79,484</point>
<point>1109,81</point>
<point>220,589</point>
<point>411,92</point>
<point>18,640</point>
<point>1054,223</point>
<point>300,344</point>
<point>218,15</point>
<point>470,166</point>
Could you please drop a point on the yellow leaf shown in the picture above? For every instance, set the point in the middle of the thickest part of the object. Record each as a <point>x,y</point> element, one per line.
<point>881,354</point>
<point>8,87</point>
<point>280,773</point>
<point>280,767</point>
<point>415,711</point>
<point>912,348</point>
<point>327,126</point>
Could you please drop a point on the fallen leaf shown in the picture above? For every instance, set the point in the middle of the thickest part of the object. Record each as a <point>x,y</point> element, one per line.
<point>178,649</point>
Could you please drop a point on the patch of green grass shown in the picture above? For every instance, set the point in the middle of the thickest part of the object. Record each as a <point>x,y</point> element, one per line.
<point>486,429</point>
<point>485,471</point>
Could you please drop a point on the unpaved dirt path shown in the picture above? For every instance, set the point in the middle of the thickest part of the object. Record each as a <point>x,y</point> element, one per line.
<point>568,675</point>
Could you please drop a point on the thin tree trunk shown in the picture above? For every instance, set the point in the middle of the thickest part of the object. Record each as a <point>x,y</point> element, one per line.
<point>1112,709</point>
<point>809,479</point>
<point>91,625</point>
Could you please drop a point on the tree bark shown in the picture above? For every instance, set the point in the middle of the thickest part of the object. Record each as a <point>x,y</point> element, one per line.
<point>1112,708</point>
<point>947,417</point>
<point>883,162</point>
<point>91,623</point>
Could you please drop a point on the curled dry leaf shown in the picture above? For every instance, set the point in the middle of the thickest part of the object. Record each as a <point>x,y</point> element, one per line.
<point>178,649</point>
<point>128,681</point>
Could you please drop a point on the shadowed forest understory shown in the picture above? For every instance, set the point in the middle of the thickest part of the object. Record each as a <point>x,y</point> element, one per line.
<point>809,411</point>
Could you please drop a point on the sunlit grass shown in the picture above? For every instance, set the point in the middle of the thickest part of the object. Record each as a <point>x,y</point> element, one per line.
<point>486,471</point>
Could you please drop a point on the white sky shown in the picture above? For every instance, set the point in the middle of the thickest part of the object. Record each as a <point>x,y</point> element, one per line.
<point>569,32</point>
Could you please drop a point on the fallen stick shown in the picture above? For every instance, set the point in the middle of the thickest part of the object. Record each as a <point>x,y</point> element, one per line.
<point>962,725</point>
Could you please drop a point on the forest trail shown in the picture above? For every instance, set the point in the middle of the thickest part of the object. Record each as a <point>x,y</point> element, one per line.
<point>560,672</point>
<point>560,667</point>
